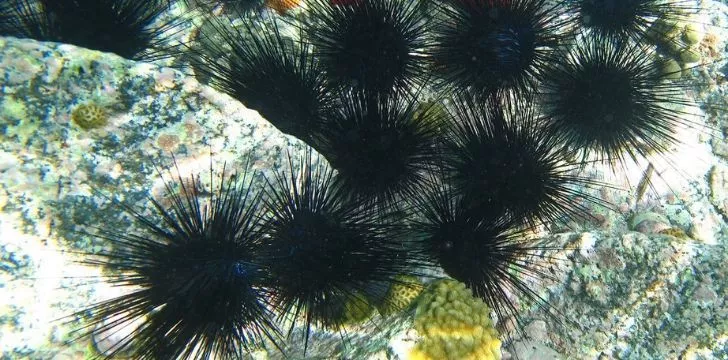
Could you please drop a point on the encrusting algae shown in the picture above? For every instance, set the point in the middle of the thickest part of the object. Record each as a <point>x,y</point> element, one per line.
<point>454,325</point>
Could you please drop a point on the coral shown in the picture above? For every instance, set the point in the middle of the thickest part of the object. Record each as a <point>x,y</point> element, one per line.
<point>454,325</point>
<point>357,309</point>
<point>679,42</point>
<point>90,116</point>
<point>400,295</point>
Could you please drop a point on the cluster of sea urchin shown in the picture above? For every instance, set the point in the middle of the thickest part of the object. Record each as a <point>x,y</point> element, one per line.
<point>457,182</point>
<point>514,116</point>
<point>215,275</point>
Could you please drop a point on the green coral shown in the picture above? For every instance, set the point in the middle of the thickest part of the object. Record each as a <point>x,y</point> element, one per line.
<point>678,42</point>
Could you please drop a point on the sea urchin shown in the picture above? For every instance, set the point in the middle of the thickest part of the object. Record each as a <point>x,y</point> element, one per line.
<point>628,19</point>
<point>192,278</point>
<point>613,99</point>
<point>491,256</point>
<point>375,45</point>
<point>129,28</point>
<point>380,145</point>
<point>326,250</point>
<point>501,162</point>
<point>490,45</point>
<point>274,75</point>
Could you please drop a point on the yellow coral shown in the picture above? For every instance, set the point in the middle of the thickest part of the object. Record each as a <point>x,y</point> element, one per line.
<point>454,325</point>
<point>89,116</point>
<point>400,295</point>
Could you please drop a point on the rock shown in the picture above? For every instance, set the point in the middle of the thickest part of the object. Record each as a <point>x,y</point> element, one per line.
<point>719,188</point>
<point>720,147</point>
<point>586,244</point>
<point>533,350</point>
<point>649,223</point>
<point>706,229</point>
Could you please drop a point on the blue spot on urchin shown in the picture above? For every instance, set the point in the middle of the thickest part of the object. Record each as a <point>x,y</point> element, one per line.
<point>510,44</point>
<point>241,269</point>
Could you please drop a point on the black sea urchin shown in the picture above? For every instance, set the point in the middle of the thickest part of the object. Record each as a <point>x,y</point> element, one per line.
<point>613,99</point>
<point>129,28</point>
<point>327,251</point>
<point>370,44</point>
<point>490,255</point>
<point>381,146</point>
<point>276,76</point>
<point>192,279</point>
<point>628,19</point>
<point>501,162</point>
<point>489,45</point>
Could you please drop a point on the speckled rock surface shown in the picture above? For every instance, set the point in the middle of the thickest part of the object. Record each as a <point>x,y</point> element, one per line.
<point>637,296</point>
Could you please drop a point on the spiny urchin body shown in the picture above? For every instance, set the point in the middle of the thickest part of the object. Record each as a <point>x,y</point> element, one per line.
<point>370,44</point>
<point>380,145</point>
<point>327,252</point>
<point>490,45</point>
<point>499,160</point>
<point>276,76</point>
<point>192,279</point>
<point>242,7</point>
<point>613,100</point>
<point>129,28</point>
<point>628,19</point>
<point>491,255</point>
